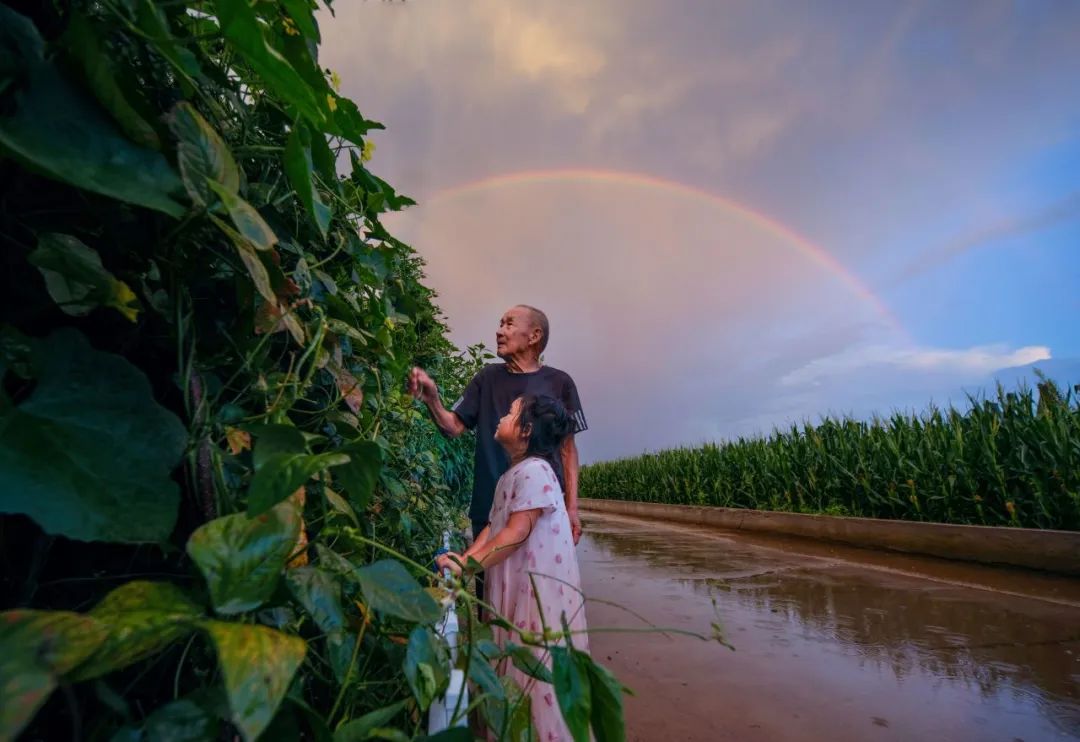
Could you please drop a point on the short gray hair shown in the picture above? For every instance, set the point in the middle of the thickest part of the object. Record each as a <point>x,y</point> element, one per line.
<point>540,320</point>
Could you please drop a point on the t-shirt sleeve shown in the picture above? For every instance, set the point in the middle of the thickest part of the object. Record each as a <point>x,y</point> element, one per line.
<point>535,486</point>
<point>572,403</point>
<point>467,408</point>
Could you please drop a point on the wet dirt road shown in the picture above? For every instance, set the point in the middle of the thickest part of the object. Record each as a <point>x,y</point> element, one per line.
<point>831,642</point>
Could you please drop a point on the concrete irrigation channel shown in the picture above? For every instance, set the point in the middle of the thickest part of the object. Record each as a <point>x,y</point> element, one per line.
<point>832,642</point>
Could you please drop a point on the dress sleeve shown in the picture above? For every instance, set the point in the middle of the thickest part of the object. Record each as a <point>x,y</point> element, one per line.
<point>534,486</point>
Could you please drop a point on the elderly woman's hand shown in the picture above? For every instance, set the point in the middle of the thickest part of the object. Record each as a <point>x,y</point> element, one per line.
<point>575,524</point>
<point>422,386</point>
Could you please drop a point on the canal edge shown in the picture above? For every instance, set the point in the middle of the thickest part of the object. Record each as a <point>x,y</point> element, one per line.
<point>1056,552</point>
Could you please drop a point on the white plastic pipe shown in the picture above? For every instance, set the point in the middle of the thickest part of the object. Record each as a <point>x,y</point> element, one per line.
<point>441,713</point>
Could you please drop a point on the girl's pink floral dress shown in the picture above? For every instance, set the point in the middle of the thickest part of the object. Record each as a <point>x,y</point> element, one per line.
<point>549,556</point>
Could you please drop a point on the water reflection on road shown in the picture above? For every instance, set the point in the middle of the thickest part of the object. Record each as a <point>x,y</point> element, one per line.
<point>831,643</point>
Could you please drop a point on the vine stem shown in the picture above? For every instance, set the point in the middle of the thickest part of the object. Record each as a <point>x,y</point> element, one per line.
<point>73,708</point>
<point>383,547</point>
<point>324,261</point>
<point>468,664</point>
<point>180,666</point>
<point>281,389</point>
<point>348,673</point>
<point>42,546</point>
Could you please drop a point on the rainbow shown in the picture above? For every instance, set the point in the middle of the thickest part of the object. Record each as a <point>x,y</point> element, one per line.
<point>787,235</point>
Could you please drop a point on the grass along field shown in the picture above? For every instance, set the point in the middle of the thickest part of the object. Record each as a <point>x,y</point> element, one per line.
<point>1010,460</point>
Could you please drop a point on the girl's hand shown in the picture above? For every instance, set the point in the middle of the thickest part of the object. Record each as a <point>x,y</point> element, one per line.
<point>450,561</point>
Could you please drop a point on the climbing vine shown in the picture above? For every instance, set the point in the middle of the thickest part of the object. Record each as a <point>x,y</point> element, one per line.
<point>219,506</point>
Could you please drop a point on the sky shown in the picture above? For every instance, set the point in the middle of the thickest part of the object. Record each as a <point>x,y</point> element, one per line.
<point>737,215</point>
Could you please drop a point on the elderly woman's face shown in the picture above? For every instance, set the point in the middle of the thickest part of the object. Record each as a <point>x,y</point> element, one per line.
<point>512,337</point>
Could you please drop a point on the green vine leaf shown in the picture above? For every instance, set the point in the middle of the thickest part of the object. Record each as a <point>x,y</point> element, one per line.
<point>36,648</point>
<point>527,662</point>
<point>360,474</point>
<point>86,48</point>
<point>283,474</point>
<point>257,663</point>
<point>202,155</point>
<point>320,594</point>
<point>325,161</point>
<point>244,31</point>
<point>331,560</point>
<point>344,329</point>
<point>58,448</point>
<point>242,557</point>
<point>483,674</point>
<point>141,619</point>
<point>427,668</point>
<point>510,719</point>
<point>380,195</point>
<point>299,168</point>
<point>388,587</point>
<point>360,729</point>
<point>151,20</point>
<point>301,13</point>
<point>273,439</point>
<point>183,720</point>
<point>301,54</point>
<point>347,122</point>
<point>608,722</point>
<point>54,128</point>
<point>76,279</point>
<point>248,222</point>
<point>341,506</point>
<point>260,277</point>
<point>340,646</point>
<point>15,353</point>
<point>570,669</point>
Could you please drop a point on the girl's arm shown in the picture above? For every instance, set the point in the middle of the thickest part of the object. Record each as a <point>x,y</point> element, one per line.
<point>490,551</point>
<point>479,541</point>
<point>509,539</point>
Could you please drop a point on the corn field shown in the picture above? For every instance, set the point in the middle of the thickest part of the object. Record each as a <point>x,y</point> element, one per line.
<point>1010,460</point>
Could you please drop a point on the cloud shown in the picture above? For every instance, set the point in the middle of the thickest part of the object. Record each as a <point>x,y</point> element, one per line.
<point>526,45</point>
<point>596,80</point>
<point>970,362</point>
<point>540,49</point>
<point>482,49</point>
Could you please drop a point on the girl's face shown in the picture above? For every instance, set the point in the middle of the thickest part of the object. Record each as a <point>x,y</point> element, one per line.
<point>509,433</point>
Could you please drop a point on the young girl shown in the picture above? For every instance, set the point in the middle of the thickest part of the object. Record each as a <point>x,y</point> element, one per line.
<point>529,537</point>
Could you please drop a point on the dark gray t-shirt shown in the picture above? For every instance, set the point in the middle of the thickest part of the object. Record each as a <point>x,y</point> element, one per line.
<point>486,399</point>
